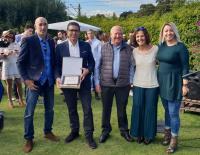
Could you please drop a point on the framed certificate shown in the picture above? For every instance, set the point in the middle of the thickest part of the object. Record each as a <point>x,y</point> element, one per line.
<point>71,72</point>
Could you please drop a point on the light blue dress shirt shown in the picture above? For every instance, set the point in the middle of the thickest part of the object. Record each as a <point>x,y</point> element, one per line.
<point>116,60</point>
<point>116,64</point>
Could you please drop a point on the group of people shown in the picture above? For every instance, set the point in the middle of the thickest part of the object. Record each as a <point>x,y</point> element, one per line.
<point>172,58</point>
<point>9,52</point>
<point>116,69</point>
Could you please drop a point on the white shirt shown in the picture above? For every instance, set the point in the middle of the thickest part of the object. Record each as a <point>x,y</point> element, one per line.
<point>146,72</point>
<point>74,50</point>
<point>95,47</point>
<point>59,41</point>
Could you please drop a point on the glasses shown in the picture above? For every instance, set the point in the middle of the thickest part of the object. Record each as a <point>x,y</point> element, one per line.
<point>73,30</point>
<point>141,28</point>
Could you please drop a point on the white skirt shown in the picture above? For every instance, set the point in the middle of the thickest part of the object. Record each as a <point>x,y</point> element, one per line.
<point>9,68</point>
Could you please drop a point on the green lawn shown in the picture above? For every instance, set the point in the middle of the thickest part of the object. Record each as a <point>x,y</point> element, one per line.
<point>11,137</point>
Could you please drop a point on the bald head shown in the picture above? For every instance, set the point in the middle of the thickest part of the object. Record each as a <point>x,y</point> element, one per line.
<point>116,28</point>
<point>39,19</point>
<point>41,27</point>
<point>116,35</point>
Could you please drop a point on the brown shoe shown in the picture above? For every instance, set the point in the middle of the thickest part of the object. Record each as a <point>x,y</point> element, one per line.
<point>167,137</point>
<point>51,137</point>
<point>28,146</point>
<point>173,145</point>
<point>21,103</point>
<point>10,105</point>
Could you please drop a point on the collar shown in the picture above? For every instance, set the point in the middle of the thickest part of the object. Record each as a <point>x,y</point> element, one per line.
<point>46,39</point>
<point>71,45</point>
<point>122,45</point>
<point>114,46</point>
<point>94,39</point>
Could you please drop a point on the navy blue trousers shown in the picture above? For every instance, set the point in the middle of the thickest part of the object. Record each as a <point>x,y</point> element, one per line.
<point>144,112</point>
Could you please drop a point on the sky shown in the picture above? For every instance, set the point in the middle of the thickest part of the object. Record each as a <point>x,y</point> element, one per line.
<point>107,7</point>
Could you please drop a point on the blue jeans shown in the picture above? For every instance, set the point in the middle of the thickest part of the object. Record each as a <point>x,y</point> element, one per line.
<point>31,100</point>
<point>172,118</point>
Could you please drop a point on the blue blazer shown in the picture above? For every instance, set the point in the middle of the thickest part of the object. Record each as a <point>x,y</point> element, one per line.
<point>62,50</point>
<point>30,61</point>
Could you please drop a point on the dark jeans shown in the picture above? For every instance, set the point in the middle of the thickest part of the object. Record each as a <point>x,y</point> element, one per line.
<point>71,101</point>
<point>31,101</point>
<point>121,94</point>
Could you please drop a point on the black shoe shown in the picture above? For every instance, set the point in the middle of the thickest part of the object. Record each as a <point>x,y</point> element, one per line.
<point>71,137</point>
<point>140,140</point>
<point>103,137</point>
<point>127,136</point>
<point>147,141</point>
<point>92,144</point>
<point>97,97</point>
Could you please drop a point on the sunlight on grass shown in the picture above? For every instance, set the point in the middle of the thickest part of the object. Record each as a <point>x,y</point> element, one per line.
<point>11,137</point>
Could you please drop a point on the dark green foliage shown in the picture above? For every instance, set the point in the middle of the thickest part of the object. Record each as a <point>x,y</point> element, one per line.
<point>126,14</point>
<point>185,17</point>
<point>195,58</point>
<point>146,9</point>
<point>14,13</point>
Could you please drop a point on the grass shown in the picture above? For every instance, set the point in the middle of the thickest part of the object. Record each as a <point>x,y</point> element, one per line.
<point>11,137</point>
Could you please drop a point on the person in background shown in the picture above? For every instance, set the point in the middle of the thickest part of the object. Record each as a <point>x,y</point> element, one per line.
<point>99,35</point>
<point>36,64</point>
<point>105,38</point>
<point>61,37</point>
<point>96,49</point>
<point>76,48</point>
<point>10,71</point>
<point>130,40</point>
<point>145,88</point>
<point>173,57</point>
<point>124,38</point>
<point>28,31</point>
<point>113,77</point>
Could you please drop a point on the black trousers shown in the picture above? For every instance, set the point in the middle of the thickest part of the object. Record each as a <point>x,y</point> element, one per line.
<point>121,95</point>
<point>71,101</point>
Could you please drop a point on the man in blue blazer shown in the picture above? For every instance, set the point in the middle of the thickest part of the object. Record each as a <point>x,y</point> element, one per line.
<point>75,48</point>
<point>36,64</point>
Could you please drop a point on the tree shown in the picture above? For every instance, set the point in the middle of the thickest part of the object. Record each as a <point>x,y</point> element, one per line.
<point>15,13</point>
<point>114,16</point>
<point>146,9</point>
<point>164,6</point>
<point>125,14</point>
<point>100,15</point>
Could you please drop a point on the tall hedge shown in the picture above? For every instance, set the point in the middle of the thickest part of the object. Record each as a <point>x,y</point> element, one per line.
<point>185,17</point>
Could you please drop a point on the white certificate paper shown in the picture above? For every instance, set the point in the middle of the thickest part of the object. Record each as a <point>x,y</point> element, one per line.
<point>72,66</point>
<point>71,71</point>
<point>71,80</point>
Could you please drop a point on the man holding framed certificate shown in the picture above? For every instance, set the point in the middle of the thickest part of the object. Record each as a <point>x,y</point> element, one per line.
<point>71,76</point>
<point>74,65</point>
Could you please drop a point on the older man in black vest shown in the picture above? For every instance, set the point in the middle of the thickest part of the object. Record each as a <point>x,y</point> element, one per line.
<point>113,76</point>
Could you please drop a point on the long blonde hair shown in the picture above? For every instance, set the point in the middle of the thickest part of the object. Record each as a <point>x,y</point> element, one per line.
<point>174,28</point>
